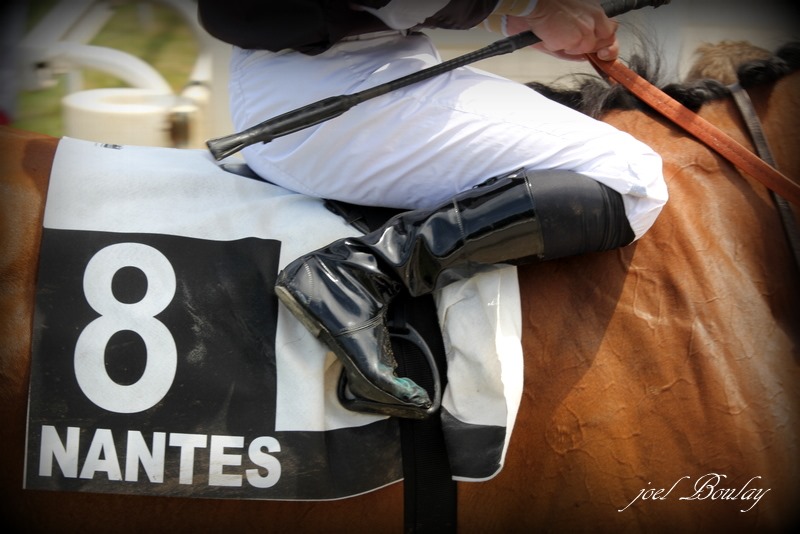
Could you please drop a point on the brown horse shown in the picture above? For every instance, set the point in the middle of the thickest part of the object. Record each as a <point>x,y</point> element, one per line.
<point>662,380</point>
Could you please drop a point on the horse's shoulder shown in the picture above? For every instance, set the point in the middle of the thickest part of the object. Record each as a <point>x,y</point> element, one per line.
<point>27,158</point>
<point>25,163</point>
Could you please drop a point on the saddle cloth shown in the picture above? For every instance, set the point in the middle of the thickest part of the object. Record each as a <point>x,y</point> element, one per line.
<point>163,363</point>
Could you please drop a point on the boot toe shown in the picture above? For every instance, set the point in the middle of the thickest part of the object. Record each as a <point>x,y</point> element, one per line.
<point>410,393</point>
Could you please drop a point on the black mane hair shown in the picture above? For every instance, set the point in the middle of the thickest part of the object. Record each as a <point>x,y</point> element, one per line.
<point>593,96</point>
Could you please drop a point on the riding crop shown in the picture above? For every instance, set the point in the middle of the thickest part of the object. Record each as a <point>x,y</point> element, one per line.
<point>334,106</point>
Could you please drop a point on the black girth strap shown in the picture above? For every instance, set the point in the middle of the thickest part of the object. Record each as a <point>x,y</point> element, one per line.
<point>430,497</point>
<point>429,489</point>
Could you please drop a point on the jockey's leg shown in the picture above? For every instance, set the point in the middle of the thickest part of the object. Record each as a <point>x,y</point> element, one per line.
<point>341,292</point>
<point>421,145</point>
<point>418,148</point>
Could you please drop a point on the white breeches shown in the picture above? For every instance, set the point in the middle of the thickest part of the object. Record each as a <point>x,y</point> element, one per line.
<point>419,146</point>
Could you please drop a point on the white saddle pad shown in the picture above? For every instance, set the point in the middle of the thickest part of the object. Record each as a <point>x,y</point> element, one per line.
<point>163,363</point>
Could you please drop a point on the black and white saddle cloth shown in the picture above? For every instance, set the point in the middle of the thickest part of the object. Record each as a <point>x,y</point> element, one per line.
<point>163,364</point>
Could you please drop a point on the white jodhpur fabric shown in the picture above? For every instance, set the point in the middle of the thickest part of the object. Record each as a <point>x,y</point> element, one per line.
<point>419,146</point>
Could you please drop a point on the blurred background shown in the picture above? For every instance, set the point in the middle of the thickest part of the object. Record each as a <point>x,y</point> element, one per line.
<point>144,72</point>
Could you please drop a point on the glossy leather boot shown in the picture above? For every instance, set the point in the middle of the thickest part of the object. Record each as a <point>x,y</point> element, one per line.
<point>341,292</point>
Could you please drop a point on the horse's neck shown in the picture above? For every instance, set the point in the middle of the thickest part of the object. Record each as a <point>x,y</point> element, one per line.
<point>778,107</point>
<point>778,110</point>
<point>717,224</point>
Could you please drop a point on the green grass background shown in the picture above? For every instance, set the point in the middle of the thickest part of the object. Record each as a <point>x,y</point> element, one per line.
<point>164,41</point>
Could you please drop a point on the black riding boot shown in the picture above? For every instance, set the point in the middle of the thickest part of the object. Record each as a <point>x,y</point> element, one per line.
<point>341,292</point>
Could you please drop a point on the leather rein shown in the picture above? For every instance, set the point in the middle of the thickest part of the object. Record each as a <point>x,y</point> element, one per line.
<point>761,167</point>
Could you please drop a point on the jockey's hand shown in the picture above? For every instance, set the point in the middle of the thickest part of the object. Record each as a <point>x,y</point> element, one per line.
<point>569,28</point>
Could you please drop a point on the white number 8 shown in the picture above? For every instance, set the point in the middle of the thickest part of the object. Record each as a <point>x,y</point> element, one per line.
<point>116,316</point>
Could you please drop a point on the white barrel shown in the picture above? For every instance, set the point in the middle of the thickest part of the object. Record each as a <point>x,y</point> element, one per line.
<point>131,116</point>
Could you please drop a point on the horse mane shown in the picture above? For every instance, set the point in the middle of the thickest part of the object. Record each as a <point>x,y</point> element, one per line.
<point>719,61</point>
<point>592,95</point>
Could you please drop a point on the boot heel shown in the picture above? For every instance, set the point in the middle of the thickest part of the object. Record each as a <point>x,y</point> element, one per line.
<point>300,313</point>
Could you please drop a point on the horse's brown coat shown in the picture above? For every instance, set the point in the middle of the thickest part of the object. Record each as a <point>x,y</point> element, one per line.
<point>674,357</point>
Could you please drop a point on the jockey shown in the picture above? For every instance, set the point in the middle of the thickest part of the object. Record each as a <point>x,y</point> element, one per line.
<point>492,171</point>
